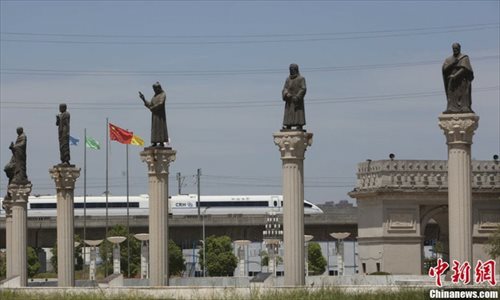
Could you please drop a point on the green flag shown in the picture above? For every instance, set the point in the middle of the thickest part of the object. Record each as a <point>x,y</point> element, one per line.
<point>92,143</point>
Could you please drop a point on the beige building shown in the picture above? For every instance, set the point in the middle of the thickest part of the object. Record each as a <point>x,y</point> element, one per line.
<point>397,199</point>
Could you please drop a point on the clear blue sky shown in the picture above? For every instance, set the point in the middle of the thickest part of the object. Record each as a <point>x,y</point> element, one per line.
<point>373,72</point>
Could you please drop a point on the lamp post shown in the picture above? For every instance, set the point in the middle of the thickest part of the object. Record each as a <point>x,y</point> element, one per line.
<point>340,236</point>
<point>93,256</point>
<point>307,238</point>
<point>203,225</point>
<point>116,240</point>
<point>144,238</point>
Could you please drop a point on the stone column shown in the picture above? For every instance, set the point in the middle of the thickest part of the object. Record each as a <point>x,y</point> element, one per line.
<point>19,230</point>
<point>65,177</point>
<point>158,160</point>
<point>459,129</point>
<point>7,206</point>
<point>292,145</point>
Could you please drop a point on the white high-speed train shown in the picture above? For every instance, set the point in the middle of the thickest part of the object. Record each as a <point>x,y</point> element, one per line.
<point>45,206</point>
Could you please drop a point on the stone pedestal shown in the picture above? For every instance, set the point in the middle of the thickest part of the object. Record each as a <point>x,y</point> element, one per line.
<point>459,129</point>
<point>292,146</point>
<point>19,231</point>
<point>65,177</point>
<point>7,206</point>
<point>158,160</point>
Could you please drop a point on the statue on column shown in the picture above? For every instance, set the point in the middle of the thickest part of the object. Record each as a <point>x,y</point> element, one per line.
<point>293,94</point>
<point>159,132</point>
<point>62,121</point>
<point>15,169</point>
<point>457,77</point>
<point>10,169</point>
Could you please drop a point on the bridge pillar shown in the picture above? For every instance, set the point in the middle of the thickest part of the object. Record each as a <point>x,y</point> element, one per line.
<point>19,194</point>
<point>65,177</point>
<point>158,161</point>
<point>292,146</point>
<point>459,129</point>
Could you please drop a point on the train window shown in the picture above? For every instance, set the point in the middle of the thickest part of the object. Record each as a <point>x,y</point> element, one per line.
<point>43,205</point>
<point>110,205</point>
<point>307,205</point>
<point>275,203</point>
<point>233,204</point>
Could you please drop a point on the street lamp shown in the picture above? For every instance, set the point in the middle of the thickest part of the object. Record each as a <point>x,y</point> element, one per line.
<point>307,238</point>
<point>116,240</point>
<point>93,256</point>
<point>144,238</point>
<point>340,236</point>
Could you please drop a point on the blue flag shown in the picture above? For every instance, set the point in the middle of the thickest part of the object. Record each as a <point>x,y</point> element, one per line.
<point>73,141</point>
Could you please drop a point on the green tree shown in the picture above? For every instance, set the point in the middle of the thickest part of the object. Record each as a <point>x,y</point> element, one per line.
<point>175,259</point>
<point>494,244</point>
<point>317,263</point>
<point>135,251</point>
<point>221,260</point>
<point>3,264</point>
<point>265,258</point>
<point>33,262</point>
<point>78,255</point>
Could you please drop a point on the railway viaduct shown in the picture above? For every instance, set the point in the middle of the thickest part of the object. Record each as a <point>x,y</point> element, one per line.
<point>185,230</point>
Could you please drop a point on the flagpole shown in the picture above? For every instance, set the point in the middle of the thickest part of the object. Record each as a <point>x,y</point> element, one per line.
<point>107,192</point>
<point>84,194</point>
<point>128,221</point>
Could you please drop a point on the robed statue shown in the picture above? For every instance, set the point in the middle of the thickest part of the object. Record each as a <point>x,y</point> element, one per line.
<point>457,77</point>
<point>16,167</point>
<point>293,94</point>
<point>159,133</point>
<point>62,122</point>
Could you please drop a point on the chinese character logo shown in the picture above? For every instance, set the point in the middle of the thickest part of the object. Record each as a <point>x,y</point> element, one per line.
<point>438,270</point>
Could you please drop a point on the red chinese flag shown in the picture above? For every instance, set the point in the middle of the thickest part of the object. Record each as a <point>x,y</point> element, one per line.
<point>120,135</point>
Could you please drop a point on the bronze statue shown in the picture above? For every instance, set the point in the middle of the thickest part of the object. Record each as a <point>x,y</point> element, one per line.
<point>293,94</point>
<point>10,170</point>
<point>62,121</point>
<point>159,132</point>
<point>457,77</point>
<point>16,168</point>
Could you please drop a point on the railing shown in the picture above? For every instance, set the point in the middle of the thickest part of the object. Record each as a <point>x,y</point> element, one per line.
<point>412,174</point>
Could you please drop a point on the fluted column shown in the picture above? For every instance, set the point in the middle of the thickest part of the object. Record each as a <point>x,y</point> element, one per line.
<point>292,146</point>
<point>7,206</point>
<point>19,230</point>
<point>158,160</point>
<point>459,129</point>
<point>65,177</point>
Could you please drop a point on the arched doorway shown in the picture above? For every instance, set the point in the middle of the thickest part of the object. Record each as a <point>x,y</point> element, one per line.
<point>435,232</point>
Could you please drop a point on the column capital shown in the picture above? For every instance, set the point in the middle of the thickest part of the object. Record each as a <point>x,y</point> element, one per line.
<point>19,193</point>
<point>64,176</point>
<point>459,128</point>
<point>7,206</point>
<point>158,159</point>
<point>292,144</point>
